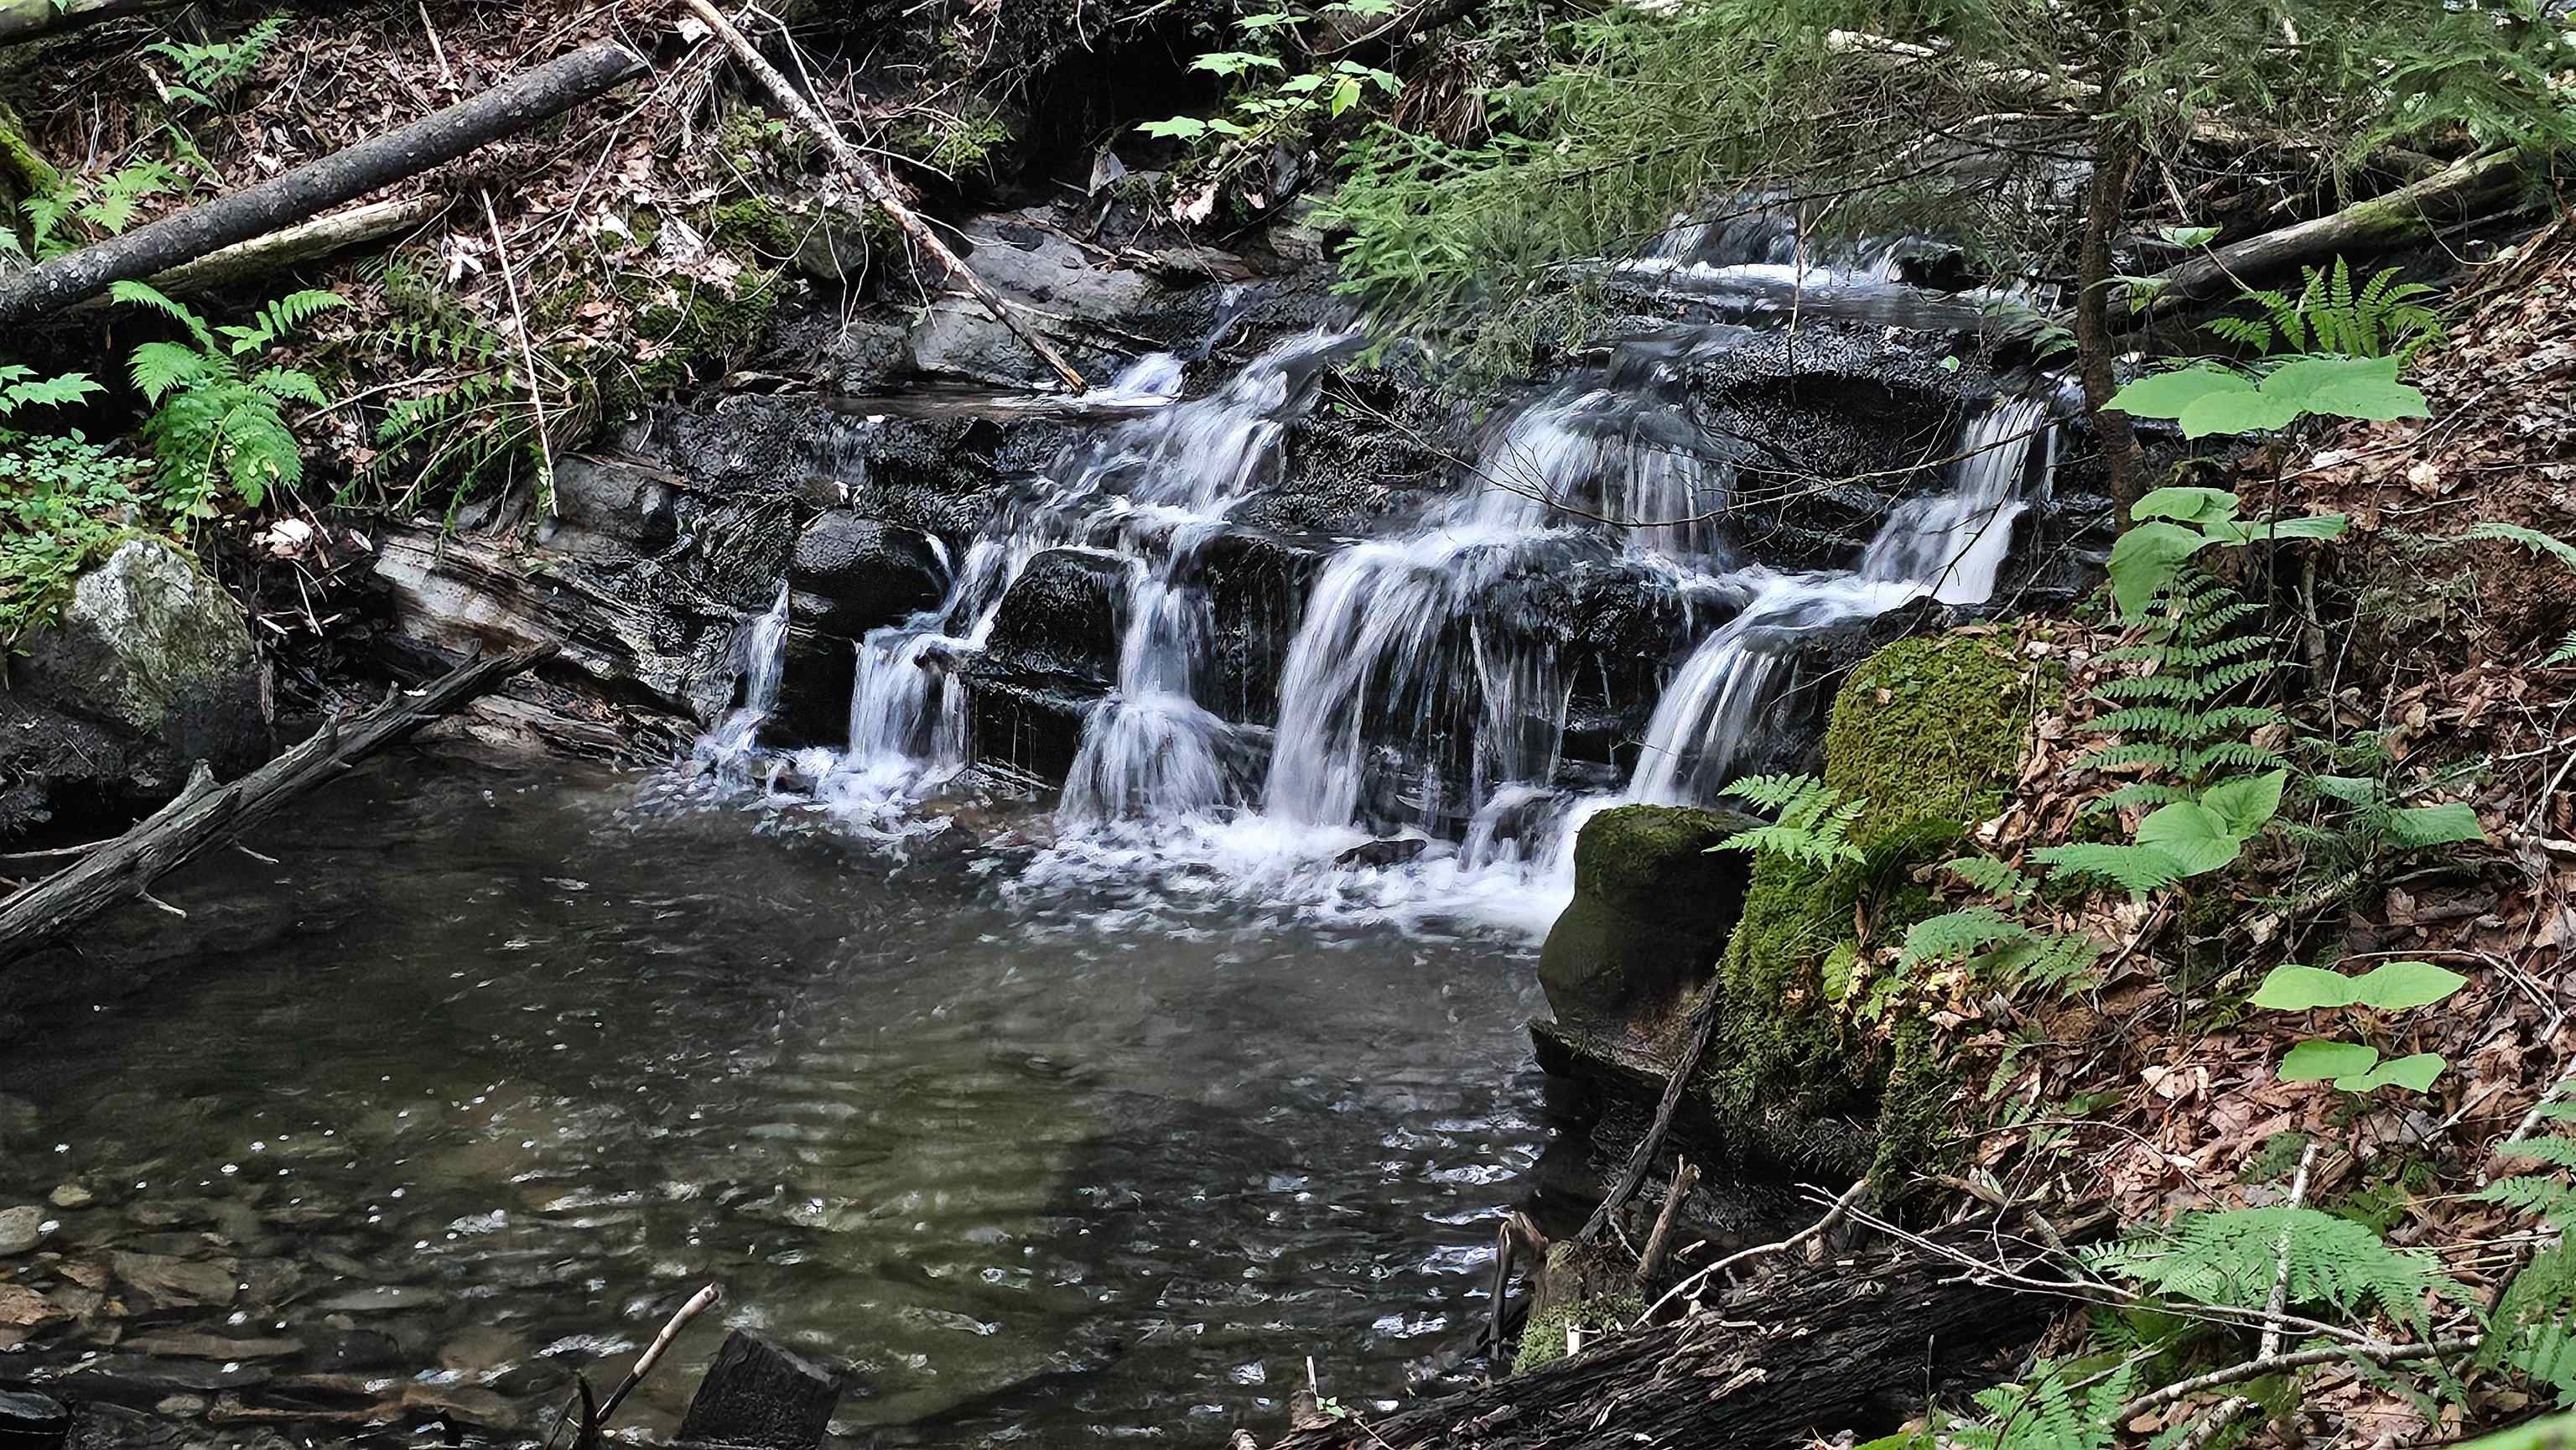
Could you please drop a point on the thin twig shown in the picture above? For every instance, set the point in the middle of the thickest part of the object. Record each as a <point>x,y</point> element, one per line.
<point>527,355</point>
<point>1835,1215</point>
<point>2280,1299</point>
<point>2257,1368</point>
<point>652,1355</point>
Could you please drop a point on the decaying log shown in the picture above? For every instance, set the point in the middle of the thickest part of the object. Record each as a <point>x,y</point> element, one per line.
<point>873,183</point>
<point>206,814</point>
<point>510,107</point>
<point>2402,218</point>
<point>1847,1344</point>
<point>35,19</point>
<point>757,1396</point>
<point>305,241</point>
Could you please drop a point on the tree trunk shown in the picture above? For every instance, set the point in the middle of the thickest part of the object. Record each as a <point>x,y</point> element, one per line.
<point>34,19</point>
<point>1850,1344</point>
<point>881,191</point>
<point>207,815</point>
<point>757,1396</point>
<point>2401,218</point>
<point>2115,155</point>
<point>510,107</point>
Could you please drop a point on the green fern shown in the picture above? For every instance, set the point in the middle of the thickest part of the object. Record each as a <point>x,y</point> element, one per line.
<point>2383,317</point>
<point>212,421</point>
<point>2172,715</point>
<point>2136,869</point>
<point>2047,1413</point>
<point>2230,1258</point>
<point>1995,878</point>
<point>1815,821</point>
<point>1957,936</point>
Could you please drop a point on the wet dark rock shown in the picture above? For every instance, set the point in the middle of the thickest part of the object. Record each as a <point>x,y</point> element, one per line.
<point>210,1346</point>
<point>852,574</point>
<point>117,1427</point>
<point>358,1349</point>
<point>1030,727</point>
<point>148,670</point>
<point>135,1379</point>
<point>1060,621</point>
<point>1652,909</point>
<point>466,1405</point>
<point>1257,583</point>
<point>1393,852</point>
<point>611,508</point>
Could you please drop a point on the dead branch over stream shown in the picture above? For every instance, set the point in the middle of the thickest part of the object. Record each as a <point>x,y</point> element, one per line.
<point>206,814</point>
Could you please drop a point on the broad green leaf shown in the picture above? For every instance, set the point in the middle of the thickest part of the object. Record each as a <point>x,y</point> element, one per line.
<point>2236,534</point>
<point>2249,411</point>
<point>2414,1073</point>
<point>1224,127</point>
<point>2345,387</point>
<point>2453,822</point>
<point>2316,1060</point>
<point>1298,85</point>
<point>2400,985</point>
<point>2359,790</point>
<point>1346,94</point>
<point>2191,833</point>
<point>1235,62</point>
<point>2247,802</point>
<point>2143,561</point>
<point>2190,236</point>
<point>2289,988</point>
<point>1270,20</point>
<point>2165,395</point>
<point>1185,128</point>
<point>2185,505</point>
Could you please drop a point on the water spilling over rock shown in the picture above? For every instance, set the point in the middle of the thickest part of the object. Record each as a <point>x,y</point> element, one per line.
<point>1625,587</point>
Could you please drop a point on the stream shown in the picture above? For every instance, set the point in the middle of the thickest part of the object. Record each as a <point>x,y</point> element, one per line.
<point>519,1057</point>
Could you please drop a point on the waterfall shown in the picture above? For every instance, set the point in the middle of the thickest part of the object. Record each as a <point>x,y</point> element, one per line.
<point>1154,488</point>
<point>1394,626</point>
<point>1950,545</point>
<point>760,657</point>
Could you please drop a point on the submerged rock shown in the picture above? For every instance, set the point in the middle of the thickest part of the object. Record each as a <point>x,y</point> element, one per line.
<point>149,669</point>
<point>1653,903</point>
<point>20,1228</point>
<point>1061,618</point>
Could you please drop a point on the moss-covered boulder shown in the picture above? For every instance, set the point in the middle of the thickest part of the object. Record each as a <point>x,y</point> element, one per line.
<point>1653,905</point>
<point>1929,731</point>
<point>148,669</point>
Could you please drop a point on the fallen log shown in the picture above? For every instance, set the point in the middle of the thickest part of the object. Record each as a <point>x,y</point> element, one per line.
<point>757,1396</point>
<point>512,106</point>
<point>2401,218</point>
<point>22,20</point>
<point>1849,1344</point>
<point>305,241</point>
<point>874,185</point>
<point>206,814</point>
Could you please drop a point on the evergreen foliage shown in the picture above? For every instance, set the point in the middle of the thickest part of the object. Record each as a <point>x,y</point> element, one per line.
<point>2384,317</point>
<point>2230,1258</point>
<point>214,419</point>
<point>1815,821</point>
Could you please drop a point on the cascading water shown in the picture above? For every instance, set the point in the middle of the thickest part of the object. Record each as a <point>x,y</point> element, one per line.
<point>760,656</point>
<point>1420,690</point>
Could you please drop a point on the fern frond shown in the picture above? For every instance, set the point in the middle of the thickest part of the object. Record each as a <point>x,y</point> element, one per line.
<point>1957,936</point>
<point>2136,869</point>
<point>2230,1258</point>
<point>142,295</point>
<point>1993,877</point>
<point>159,367</point>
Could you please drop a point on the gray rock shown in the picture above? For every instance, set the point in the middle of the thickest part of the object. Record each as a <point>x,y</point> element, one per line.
<point>610,509</point>
<point>171,1281</point>
<point>149,669</point>
<point>20,1228</point>
<point>71,1195</point>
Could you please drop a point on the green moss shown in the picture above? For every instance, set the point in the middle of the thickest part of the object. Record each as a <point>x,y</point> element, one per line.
<point>19,160</point>
<point>756,224</point>
<point>688,326</point>
<point>1928,731</point>
<point>1543,1338</point>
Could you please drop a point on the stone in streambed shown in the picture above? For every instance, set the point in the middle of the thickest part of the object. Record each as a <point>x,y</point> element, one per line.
<point>219,1347</point>
<point>71,1195</point>
<point>173,1282</point>
<point>20,1228</point>
<point>1652,908</point>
